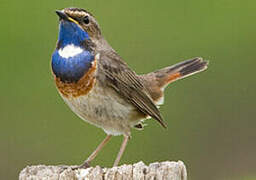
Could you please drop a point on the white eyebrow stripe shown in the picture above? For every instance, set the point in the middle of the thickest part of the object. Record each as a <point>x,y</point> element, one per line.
<point>70,50</point>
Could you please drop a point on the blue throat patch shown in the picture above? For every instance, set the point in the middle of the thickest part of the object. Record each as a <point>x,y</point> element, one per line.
<point>71,69</point>
<point>71,33</point>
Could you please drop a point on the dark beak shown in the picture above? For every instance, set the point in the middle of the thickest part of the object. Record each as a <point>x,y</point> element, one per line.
<point>61,15</point>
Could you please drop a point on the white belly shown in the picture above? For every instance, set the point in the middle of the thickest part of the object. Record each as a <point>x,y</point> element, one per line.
<point>104,108</point>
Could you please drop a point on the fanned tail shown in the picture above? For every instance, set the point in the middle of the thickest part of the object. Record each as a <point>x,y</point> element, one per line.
<point>156,81</point>
<point>181,70</point>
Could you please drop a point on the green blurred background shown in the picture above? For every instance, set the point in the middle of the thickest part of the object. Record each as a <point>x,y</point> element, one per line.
<point>211,116</point>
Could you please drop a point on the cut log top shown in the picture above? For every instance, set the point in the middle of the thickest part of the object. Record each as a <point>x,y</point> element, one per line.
<point>155,171</point>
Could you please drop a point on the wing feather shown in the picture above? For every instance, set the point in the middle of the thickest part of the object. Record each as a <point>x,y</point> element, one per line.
<point>128,84</point>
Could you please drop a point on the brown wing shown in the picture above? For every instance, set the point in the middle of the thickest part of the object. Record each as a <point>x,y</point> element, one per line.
<point>125,82</point>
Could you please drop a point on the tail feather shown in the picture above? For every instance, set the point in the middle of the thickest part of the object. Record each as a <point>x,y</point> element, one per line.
<point>186,68</point>
<point>155,82</point>
<point>194,67</point>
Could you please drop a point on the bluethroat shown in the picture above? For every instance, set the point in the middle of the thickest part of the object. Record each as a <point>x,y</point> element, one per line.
<point>100,87</point>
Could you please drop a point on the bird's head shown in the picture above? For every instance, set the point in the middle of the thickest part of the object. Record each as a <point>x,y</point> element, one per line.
<point>76,48</point>
<point>76,26</point>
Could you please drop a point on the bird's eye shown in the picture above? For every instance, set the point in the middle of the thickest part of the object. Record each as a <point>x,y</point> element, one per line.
<point>86,20</point>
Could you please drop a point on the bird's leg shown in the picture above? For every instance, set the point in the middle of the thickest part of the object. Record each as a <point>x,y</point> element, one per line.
<point>121,151</point>
<point>86,163</point>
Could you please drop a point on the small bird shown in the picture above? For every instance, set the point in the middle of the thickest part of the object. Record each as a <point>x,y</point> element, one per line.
<point>100,87</point>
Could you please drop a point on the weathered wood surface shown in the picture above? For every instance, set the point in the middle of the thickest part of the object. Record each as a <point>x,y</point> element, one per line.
<point>155,171</point>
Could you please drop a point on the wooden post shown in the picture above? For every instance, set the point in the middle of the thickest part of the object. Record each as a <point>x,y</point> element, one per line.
<point>155,171</point>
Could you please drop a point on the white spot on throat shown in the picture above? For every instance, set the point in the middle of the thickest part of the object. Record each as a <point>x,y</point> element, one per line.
<point>70,50</point>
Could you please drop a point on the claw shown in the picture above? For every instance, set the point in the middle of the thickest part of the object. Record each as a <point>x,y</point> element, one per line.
<point>85,165</point>
<point>63,168</point>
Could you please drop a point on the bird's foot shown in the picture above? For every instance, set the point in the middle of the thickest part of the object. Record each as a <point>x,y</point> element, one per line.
<point>85,165</point>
